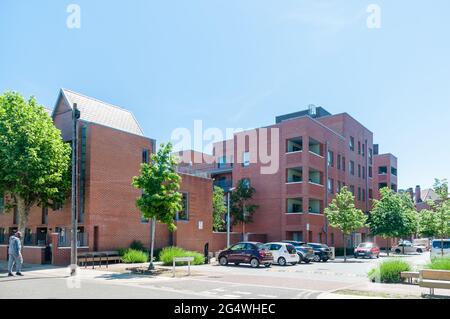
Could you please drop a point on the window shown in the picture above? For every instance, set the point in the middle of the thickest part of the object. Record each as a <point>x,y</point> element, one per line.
<point>363,195</point>
<point>359,170</point>
<point>246,182</point>
<point>339,161</point>
<point>339,186</point>
<point>382,170</point>
<point>330,158</point>
<point>145,156</point>
<point>44,215</point>
<point>222,161</point>
<point>370,193</point>
<point>238,247</point>
<point>394,171</point>
<point>370,171</point>
<point>183,214</point>
<point>370,155</point>
<point>382,185</point>
<point>294,205</point>
<point>351,167</point>
<point>294,175</point>
<point>364,172</point>
<point>359,147</point>
<point>359,193</point>
<point>294,145</point>
<point>330,186</point>
<point>363,150</point>
<point>352,190</point>
<point>246,159</point>
<point>57,206</point>
<point>352,143</point>
<point>343,163</point>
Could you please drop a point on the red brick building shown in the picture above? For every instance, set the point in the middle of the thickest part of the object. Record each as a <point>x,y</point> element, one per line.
<point>111,148</point>
<point>318,153</point>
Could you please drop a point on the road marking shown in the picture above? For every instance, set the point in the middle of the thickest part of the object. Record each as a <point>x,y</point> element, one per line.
<point>242,292</point>
<point>267,296</point>
<point>219,289</point>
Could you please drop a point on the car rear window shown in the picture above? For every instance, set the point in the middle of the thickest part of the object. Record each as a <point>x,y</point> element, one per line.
<point>437,244</point>
<point>291,249</point>
<point>261,246</point>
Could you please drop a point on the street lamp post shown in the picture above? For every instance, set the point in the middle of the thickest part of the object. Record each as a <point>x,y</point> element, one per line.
<point>228,215</point>
<point>73,246</point>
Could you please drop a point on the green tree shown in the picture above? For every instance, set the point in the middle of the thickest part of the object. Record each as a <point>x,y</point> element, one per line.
<point>342,214</point>
<point>392,216</point>
<point>428,224</point>
<point>160,183</point>
<point>34,161</point>
<point>441,208</point>
<point>241,209</point>
<point>219,209</point>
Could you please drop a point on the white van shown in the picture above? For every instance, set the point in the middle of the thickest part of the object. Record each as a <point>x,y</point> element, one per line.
<point>436,250</point>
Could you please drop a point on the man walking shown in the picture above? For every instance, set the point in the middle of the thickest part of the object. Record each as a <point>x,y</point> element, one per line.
<point>15,254</point>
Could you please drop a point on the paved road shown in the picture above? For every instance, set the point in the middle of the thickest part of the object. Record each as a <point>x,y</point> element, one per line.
<point>207,281</point>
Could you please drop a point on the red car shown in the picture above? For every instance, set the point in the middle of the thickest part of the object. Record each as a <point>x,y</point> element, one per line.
<point>251,253</point>
<point>367,250</point>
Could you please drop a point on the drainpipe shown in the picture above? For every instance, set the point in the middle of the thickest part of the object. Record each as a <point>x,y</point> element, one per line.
<point>73,250</point>
<point>326,190</point>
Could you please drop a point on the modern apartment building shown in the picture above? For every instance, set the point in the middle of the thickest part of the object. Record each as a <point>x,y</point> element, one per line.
<point>111,148</point>
<point>318,154</point>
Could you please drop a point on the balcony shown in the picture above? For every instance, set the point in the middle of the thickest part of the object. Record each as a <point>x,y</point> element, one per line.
<point>294,175</point>
<point>314,206</point>
<point>294,145</point>
<point>315,147</point>
<point>294,206</point>
<point>315,177</point>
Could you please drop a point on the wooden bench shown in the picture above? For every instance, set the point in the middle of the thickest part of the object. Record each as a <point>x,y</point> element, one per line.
<point>410,275</point>
<point>93,257</point>
<point>432,279</point>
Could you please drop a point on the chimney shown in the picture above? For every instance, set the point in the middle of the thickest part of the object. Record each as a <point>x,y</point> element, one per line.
<point>418,196</point>
<point>410,192</point>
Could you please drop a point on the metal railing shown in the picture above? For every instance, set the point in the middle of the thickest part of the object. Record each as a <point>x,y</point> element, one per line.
<point>34,240</point>
<point>64,240</point>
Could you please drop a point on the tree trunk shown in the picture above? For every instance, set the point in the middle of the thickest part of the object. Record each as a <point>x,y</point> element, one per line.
<point>345,248</point>
<point>387,246</point>
<point>152,245</point>
<point>442,246</point>
<point>22,215</point>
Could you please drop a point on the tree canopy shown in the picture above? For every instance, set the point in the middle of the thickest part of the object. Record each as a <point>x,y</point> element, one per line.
<point>219,209</point>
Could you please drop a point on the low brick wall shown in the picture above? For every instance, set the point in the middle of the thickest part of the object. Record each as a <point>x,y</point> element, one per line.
<point>4,252</point>
<point>33,254</point>
<point>61,255</point>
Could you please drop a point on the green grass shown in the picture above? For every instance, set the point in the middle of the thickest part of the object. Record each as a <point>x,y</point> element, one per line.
<point>132,256</point>
<point>389,271</point>
<point>169,253</point>
<point>439,263</point>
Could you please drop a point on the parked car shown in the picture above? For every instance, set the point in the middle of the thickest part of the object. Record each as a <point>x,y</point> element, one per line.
<point>367,250</point>
<point>304,252</point>
<point>436,250</point>
<point>407,247</point>
<point>321,252</point>
<point>283,253</point>
<point>252,253</point>
<point>422,242</point>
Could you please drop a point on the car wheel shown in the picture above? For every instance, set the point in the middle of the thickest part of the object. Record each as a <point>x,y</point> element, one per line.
<point>398,251</point>
<point>316,258</point>
<point>282,261</point>
<point>267,265</point>
<point>419,250</point>
<point>356,257</point>
<point>254,263</point>
<point>223,261</point>
<point>325,260</point>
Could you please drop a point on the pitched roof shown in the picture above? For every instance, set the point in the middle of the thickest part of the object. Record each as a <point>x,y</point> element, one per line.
<point>428,194</point>
<point>96,111</point>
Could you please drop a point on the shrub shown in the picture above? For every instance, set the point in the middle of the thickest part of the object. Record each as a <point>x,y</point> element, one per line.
<point>132,256</point>
<point>439,263</point>
<point>389,271</point>
<point>122,251</point>
<point>169,253</point>
<point>137,245</point>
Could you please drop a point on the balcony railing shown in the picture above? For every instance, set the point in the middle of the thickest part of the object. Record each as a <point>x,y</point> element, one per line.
<point>65,240</point>
<point>34,240</point>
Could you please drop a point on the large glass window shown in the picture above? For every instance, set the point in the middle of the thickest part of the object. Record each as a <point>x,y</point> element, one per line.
<point>382,170</point>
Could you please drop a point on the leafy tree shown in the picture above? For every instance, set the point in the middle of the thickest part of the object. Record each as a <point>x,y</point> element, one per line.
<point>342,214</point>
<point>160,200</point>
<point>240,209</point>
<point>219,209</point>
<point>441,208</point>
<point>34,161</point>
<point>428,224</point>
<point>392,216</point>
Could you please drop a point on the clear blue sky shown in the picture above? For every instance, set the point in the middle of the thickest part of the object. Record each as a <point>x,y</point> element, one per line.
<point>238,63</point>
